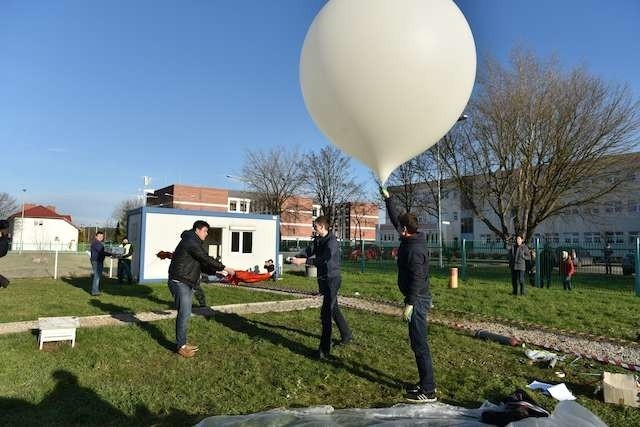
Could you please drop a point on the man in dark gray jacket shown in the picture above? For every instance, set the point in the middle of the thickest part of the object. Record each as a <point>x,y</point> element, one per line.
<point>413,282</point>
<point>325,255</point>
<point>519,254</point>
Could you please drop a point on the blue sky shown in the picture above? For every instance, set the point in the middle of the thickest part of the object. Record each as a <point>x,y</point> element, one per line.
<point>94,95</point>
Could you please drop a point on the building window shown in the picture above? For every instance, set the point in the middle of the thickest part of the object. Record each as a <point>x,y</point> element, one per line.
<point>235,241</point>
<point>575,238</point>
<point>634,206</point>
<point>466,225</point>
<point>455,216</point>
<point>566,237</point>
<point>233,206</point>
<point>247,242</point>
<point>243,206</point>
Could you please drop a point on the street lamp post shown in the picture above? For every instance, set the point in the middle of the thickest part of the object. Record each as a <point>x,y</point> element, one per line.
<point>24,190</point>
<point>460,119</point>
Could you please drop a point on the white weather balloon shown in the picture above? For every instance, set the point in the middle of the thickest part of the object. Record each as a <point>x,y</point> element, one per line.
<point>386,79</point>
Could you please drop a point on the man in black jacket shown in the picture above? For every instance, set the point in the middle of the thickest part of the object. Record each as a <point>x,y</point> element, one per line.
<point>188,259</point>
<point>413,282</point>
<point>325,255</point>
<point>4,248</point>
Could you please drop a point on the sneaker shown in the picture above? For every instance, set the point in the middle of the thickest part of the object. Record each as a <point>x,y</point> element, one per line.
<point>185,352</point>
<point>412,389</point>
<point>321,355</point>
<point>343,342</point>
<point>190,347</point>
<point>422,396</point>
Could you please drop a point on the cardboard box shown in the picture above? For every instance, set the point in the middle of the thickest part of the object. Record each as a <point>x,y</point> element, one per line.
<point>621,389</point>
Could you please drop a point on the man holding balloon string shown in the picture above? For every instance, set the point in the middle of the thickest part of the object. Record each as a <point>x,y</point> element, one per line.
<point>413,282</point>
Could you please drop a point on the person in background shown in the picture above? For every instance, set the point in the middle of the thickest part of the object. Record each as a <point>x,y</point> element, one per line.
<point>608,253</point>
<point>518,255</point>
<point>124,261</point>
<point>271,267</point>
<point>4,248</point>
<point>98,253</point>
<point>566,270</point>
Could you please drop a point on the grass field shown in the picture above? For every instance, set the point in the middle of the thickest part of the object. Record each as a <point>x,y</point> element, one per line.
<point>28,299</point>
<point>598,304</point>
<point>128,376</point>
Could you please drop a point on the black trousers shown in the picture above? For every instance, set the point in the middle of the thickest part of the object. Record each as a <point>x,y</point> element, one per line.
<point>517,279</point>
<point>331,311</point>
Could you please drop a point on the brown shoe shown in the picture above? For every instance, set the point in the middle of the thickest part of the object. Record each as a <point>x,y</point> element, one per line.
<point>193,348</point>
<point>185,352</point>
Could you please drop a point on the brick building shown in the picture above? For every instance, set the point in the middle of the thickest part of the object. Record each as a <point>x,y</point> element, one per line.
<point>356,220</point>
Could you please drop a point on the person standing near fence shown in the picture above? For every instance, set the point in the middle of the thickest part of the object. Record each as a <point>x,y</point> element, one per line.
<point>518,256</point>
<point>546,266</point>
<point>98,253</point>
<point>608,252</point>
<point>124,261</point>
<point>413,282</point>
<point>566,270</point>
<point>324,253</point>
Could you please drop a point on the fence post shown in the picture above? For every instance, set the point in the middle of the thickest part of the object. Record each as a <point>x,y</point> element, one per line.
<point>362,257</point>
<point>463,267</point>
<point>55,266</point>
<point>637,266</point>
<point>538,278</point>
<point>110,268</point>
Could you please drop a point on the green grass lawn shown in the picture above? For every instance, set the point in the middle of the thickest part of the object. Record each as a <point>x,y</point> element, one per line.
<point>28,299</point>
<point>128,375</point>
<point>598,304</point>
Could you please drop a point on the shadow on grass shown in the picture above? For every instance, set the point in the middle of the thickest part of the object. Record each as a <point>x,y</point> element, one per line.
<point>71,404</point>
<point>123,314</point>
<point>254,330</point>
<point>112,287</point>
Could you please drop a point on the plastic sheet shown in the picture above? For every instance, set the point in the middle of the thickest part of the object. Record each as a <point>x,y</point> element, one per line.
<point>433,415</point>
<point>566,414</point>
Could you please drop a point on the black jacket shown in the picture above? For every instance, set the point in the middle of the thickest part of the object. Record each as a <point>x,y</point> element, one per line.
<point>518,257</point>
<point>190,258</point>
<point>327,256</point>
<point>413,260</point>
<point>4,245</point>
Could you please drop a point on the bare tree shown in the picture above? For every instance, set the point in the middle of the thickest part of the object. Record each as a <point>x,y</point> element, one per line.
<point>8,205</point>
<point>329,178</point>
<point>119,216</point>
<point>541,141</point>
<point>275,176</point>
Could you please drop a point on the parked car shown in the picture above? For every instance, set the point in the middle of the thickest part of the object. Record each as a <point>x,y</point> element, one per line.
<point>628,264</point>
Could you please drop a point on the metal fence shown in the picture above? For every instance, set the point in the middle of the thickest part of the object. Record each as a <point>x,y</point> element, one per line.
<point>475,258</point>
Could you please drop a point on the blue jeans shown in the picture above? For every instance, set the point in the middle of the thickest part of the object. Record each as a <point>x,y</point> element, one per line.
<point>419,343</point>
<point>566,283</point>
<point>96,268</point>
<point>182,296</point>
<point>331,311</point>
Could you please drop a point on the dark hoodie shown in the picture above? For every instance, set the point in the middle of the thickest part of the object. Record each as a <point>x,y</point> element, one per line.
<point>190,258</point>
<point>413,260</point>
<point>327,256</point>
